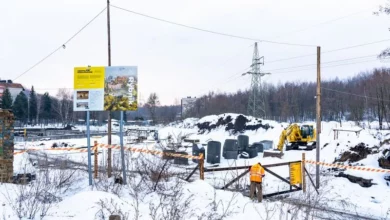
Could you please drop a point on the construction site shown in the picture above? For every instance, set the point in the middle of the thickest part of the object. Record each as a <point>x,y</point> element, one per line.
<point>303,132</point>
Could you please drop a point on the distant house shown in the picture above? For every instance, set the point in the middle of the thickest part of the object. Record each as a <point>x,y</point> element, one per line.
<point>14,88</point>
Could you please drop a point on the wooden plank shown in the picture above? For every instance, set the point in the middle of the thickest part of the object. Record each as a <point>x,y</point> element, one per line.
<point>192,173</point>
<point>235,179</point>
<point>280,193</point>
<point>246,167</point>
<point>311,180</point>
<point>279,177</point>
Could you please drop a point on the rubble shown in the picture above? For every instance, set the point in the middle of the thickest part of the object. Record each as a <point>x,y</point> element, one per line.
<point>239,124</point>
<point>355,154</point>
<point>359,180</point>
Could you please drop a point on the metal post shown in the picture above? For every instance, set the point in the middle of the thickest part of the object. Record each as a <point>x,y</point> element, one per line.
<point>122,148</point>
<point>89,151</point>
<point>318,114</point>
<point>109,165</point>
<point>95,159</point>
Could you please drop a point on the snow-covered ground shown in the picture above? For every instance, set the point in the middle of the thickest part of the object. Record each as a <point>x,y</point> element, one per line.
<point>202,199</point>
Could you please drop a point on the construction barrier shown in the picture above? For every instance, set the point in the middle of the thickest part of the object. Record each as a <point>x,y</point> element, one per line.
<point>53,149</point>
<point>154,152</point>
<point>348,167</point>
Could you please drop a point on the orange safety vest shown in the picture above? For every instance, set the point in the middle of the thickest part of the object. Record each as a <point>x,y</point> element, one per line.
<point>257,173</point>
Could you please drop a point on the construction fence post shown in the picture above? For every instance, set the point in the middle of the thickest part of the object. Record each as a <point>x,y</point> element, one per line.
<point>95,159</point>
<point>303,173</point>
<point>201,166</point>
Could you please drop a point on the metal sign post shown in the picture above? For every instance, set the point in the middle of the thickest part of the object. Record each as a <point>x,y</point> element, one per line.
<point>89,151</point>
<point>122,148</point>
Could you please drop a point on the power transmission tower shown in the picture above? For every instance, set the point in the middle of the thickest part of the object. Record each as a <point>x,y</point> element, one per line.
<point>256,102</point>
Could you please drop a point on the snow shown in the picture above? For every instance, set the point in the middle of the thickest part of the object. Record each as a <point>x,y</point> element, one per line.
<point>23,165</point>
<point>84,202</point>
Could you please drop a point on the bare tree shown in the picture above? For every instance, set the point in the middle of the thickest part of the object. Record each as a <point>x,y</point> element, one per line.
<point>151,105</point>
<point>63,105</point>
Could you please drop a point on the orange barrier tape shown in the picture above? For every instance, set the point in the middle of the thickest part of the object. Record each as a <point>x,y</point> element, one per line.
<point>348,167</point>
<point>55,149</point>
<point>154,152</point>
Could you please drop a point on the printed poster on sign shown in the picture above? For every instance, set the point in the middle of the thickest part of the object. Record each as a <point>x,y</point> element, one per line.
<point>295,173</point>
<point>105,88</point>
<point>120,88</point>
<point>88,88</point>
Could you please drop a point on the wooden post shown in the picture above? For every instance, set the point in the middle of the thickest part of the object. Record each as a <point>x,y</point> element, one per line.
<point>201,166</point>
<point>95,160</point>
<point>303,173</point>
<point>318,114</point>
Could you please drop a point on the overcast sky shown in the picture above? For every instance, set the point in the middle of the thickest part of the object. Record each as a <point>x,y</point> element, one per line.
<point>176,62</point>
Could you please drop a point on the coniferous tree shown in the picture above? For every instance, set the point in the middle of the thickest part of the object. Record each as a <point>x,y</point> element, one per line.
<point>33,106</point>
<point>46,106</point>
<point>151,105</point>
<point>6,102</point>
<point>20,106</point>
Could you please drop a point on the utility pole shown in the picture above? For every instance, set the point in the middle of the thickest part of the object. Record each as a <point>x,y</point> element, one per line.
<point>109,165</point>
<point>256,102</point>
<point>318,117</point>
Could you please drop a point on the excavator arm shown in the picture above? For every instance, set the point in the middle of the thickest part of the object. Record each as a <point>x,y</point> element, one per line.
<point>285,133</point>
<point>282,139</point>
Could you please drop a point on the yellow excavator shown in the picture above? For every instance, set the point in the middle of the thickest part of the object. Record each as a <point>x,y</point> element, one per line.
<point>294,137</point>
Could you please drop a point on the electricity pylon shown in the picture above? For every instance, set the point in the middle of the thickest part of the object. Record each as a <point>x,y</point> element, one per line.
<point>256,102</point>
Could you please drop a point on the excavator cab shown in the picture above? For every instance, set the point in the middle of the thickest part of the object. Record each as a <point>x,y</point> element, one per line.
<point>307,130</point>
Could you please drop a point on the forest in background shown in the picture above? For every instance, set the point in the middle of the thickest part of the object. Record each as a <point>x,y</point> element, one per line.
<point>365,96</point>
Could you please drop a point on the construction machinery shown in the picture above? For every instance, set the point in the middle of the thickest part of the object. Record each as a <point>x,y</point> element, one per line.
<point>294,137</point>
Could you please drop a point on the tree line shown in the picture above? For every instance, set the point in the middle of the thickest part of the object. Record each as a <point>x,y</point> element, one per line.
<point>35,108</point>
<point>365,96</point>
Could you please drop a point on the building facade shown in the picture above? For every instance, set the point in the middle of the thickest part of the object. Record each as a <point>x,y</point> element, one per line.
<point>14,88</point>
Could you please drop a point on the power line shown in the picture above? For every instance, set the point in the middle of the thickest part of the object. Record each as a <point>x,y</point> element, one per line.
<point>334,61</point>
<point>225,61</point>
<point>329,51</point>
<point>322,23</point>
<point>345,64</point>
<point>62,45</point>
<point>354,94</point>
<point>210,31</point>
<point>301,67</point>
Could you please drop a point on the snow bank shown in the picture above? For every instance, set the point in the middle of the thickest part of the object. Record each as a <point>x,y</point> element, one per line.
<point>22,164</point>
<point>115,139</point>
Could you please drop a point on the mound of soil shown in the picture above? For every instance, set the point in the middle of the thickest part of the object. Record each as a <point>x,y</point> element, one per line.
<point>239,125</point>
<point>359,180</point>
<point>384,161</point>
<point>355,154</point>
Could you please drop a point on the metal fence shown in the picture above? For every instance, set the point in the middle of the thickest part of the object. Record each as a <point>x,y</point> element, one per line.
<point>59,137</point>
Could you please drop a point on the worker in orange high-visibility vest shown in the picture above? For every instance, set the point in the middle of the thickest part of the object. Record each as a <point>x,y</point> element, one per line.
<point>256,178</point>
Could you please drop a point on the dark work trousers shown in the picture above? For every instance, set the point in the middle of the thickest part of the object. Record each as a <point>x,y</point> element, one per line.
<point>258,186</point>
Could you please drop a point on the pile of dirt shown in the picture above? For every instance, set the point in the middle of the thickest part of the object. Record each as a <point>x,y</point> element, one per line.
<point>359,180</point>
<point>239,125</point>
<point>384,160</point>
<point>355,154</point>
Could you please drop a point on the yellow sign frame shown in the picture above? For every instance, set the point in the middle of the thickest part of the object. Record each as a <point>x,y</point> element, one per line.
<point>295,173</point>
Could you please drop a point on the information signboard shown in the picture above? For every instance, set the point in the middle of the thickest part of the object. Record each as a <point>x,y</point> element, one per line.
<point>295,173</point>
<point>112,88</point>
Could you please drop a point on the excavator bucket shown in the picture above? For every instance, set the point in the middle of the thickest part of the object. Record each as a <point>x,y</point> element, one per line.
<point>273,153</point>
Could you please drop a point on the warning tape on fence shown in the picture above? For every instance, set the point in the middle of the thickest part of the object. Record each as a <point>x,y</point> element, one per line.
<point>348,167</point>
<point>154,152</point>
<point>55,149</point>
